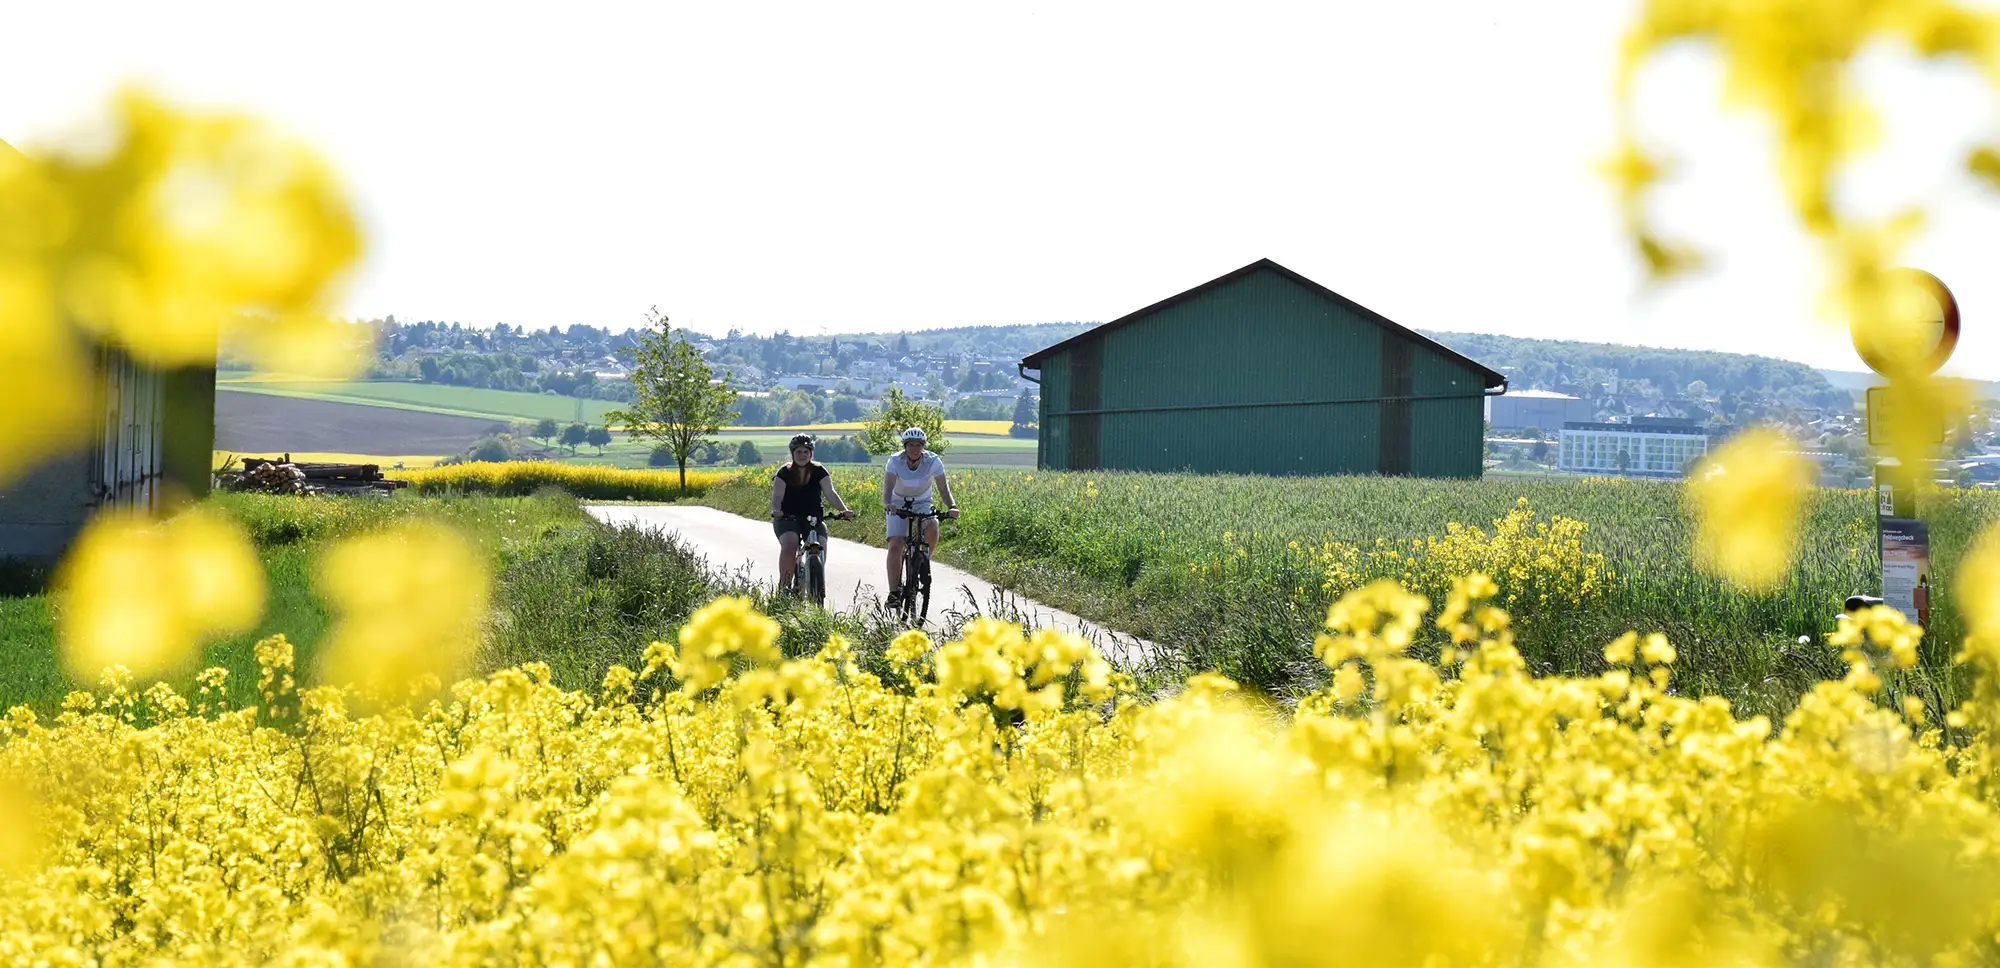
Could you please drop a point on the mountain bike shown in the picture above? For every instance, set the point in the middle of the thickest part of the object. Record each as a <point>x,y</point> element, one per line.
<point>915,605</point>
<point>809,560</point>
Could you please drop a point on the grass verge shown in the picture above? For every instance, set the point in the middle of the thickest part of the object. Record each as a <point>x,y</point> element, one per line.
<point>568,591</point>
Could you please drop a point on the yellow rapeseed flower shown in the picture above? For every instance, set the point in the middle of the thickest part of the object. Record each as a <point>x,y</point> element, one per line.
<point>718,633</point>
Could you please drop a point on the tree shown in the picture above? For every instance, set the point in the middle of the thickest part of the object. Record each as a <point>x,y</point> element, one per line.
<point>1026,409</point>
<point>493,449</point>
<point>545,429</point>
<point>747,455</point>
<point>883,432</point>
<point>1532,433</point>
<point>676,399</point>
<point>573,437</point>
<point>1624,460</point>
<point>662,456</point>
<point>597,437</point>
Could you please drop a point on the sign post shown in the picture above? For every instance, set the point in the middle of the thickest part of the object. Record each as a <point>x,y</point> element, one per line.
<point>1921,336</point>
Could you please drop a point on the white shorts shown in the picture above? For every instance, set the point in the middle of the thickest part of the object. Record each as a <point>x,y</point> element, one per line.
<point>899,526</point>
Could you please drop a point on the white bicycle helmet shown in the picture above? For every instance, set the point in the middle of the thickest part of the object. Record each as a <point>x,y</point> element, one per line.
<point>915,433</point>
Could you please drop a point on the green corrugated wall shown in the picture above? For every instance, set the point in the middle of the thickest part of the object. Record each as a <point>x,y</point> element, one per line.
<point>1262,338</point>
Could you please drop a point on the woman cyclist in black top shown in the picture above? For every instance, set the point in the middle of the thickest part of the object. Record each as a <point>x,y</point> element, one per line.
<point>798,489</point>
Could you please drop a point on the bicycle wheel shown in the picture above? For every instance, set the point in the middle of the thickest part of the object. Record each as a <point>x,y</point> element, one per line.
<point>922,566</point>
<point>908,607</point>
<point>816,580</point>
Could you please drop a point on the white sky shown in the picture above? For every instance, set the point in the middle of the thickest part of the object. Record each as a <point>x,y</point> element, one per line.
<point>884,166</point>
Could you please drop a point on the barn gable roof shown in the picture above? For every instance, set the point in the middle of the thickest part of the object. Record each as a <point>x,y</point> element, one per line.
<point>1487,374</point>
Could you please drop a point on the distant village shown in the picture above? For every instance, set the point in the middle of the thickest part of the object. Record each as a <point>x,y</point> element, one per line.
<point>1621,430</point>
<point>1554,418</point>
<point>838,377</point>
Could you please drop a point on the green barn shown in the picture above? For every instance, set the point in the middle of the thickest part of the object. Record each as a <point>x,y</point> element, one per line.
<point>1261,371</point>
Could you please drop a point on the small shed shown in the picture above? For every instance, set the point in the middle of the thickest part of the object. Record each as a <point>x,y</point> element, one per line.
<point>1261,371</point>
<point>151,444</point>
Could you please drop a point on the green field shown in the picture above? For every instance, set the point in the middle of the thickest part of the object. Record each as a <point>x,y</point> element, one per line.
<point>431,398</point>
<point>1235,573</point>
<point>511,406</point>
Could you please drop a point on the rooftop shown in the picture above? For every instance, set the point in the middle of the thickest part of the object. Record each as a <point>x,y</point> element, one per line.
<point>1685,430</point>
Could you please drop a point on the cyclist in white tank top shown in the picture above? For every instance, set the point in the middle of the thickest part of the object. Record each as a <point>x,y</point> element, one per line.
<point>911,476</point>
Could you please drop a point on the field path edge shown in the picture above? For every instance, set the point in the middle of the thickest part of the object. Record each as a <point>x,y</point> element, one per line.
<point>854,576</point>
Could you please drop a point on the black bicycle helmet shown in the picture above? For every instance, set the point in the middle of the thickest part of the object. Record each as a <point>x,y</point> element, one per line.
<point>802,440</point>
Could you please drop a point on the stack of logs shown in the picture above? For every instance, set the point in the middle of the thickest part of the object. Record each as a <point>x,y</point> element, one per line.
<point>268,476</point>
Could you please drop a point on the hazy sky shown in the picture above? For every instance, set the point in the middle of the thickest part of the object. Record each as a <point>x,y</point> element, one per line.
<point>834,167</point>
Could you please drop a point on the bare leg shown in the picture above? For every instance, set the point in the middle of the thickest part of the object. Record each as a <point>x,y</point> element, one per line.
<point>788,547</point>
<point>895,563</point>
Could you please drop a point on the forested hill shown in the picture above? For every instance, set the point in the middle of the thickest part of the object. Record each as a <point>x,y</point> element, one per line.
<point>1584,369</point>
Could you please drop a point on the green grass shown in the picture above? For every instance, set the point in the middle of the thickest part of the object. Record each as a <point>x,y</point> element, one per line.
<point>1204,565</point>
<point>289,534</point>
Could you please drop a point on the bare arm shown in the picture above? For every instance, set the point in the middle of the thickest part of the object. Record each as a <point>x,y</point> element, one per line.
<point>944,488</point>
<point>778,495</point>
<point>888,489</point>
<point>826,487</point>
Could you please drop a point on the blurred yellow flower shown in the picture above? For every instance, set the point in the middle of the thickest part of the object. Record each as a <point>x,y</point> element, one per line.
<point>1978,588</point>
<point>410,601</point>
<point>190,220</point>
<point>19,842</point>
<point>1746,500</point>
<point>42,367</point>
<point>183,225</point>
<point>144,595</point>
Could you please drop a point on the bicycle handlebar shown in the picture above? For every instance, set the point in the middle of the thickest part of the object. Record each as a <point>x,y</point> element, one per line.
<point>809,519</point>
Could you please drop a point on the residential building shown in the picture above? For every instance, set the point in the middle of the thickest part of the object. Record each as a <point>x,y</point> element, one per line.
<point>1651,448</point>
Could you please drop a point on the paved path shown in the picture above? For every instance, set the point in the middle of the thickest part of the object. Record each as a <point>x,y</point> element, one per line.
<point>854,573</point>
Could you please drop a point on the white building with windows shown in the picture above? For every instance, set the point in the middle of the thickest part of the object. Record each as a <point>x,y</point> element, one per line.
<point>1652,449</point>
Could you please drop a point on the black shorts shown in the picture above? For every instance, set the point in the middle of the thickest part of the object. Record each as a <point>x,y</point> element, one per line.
<point>785,526</point>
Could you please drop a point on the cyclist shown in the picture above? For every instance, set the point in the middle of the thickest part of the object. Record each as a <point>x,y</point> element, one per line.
<point>800,488</point>
<point>911,475</point>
